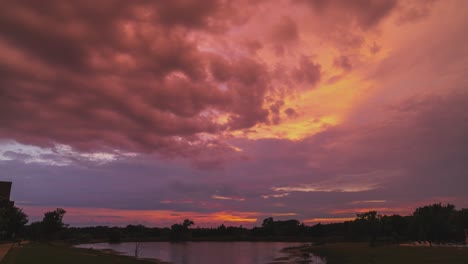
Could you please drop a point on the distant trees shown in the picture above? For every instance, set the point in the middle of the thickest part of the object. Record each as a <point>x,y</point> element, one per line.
<point>12,220</point>
<point>115,236</point>
<point>50,226</point>
<point>372,223</point>
<point>221,232</point>
<point>187,223</point>
<point>460,220</point>
<point>270,227</point>
<point>394,226</point>
<point>434,223</point>
<point>52,222</point>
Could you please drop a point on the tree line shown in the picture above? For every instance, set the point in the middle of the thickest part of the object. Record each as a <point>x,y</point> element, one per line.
<point>436,223</point>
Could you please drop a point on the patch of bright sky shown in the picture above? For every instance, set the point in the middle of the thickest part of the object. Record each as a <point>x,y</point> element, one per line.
<point>59,155</point>
<point>317,188</point>
<point>275,195</point>
<point>220,197</point>
<point>345,183</point>
<point>368,201</point>
<point>29,153</point>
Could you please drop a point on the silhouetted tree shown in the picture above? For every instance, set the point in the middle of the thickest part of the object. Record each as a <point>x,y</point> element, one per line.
<point>115,236</point>
<point>187,223</point>
<point>221,230</point>
<point>52,223</point>
<point>12,219</point>
<point>267,222</point>
<point>460,220</point>
<point>371,222</point>
<point>394,226</point>
<point>271,227</point>
<point>433,222</point>
<point>181,232</point>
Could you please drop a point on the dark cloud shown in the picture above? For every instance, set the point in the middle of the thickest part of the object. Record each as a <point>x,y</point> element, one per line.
<point>290,112</point>
<point>68,35</point>
<point>250,83</point>
<point>375,48</point>
<point>343,63</point>
<point>275,109</point>
<point>365,13</point>
<point>284,34</point>
<point>412,11</point>
<point>187,13</point>
<point>285,31</point>
<point>253,46</point>
<point>220,68</point>
<point>308,72</point>
<point>123,75</point>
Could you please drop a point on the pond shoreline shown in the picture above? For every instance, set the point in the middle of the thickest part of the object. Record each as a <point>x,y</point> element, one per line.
<point>202,252</point>
<point>203,239</point>
<point>355,253</point>
<point>118,253</point>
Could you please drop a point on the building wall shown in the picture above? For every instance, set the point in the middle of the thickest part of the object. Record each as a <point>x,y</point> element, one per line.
<point>5,190</point>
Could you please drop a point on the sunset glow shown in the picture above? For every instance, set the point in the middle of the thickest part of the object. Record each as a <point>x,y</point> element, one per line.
<point>230,112</point>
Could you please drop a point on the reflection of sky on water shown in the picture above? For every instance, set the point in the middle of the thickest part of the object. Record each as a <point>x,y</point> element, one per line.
<point>212,252</point>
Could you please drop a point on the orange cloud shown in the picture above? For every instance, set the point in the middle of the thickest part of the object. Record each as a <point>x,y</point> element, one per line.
<point>147,217</point>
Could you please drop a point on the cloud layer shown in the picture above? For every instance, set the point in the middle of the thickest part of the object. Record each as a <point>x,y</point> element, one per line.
<point>233,110</point>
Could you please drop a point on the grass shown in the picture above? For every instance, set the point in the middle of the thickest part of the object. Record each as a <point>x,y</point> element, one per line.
<point>348,253</point>
<point>59,254</point>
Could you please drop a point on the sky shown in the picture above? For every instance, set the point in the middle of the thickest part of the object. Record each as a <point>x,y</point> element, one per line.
<point>229,112</point>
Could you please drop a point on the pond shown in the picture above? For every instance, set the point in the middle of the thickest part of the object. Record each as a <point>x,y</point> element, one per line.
<point>212,252</point>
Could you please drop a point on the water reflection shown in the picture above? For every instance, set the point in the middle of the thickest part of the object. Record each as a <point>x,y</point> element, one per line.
<point>214,252</point>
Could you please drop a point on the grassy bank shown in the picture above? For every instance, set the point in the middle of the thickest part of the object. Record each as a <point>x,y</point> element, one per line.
<point>59,254</point>
<point>357,253</point>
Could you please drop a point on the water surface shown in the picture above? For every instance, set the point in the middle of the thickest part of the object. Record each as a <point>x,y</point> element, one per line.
<point>212,252</point>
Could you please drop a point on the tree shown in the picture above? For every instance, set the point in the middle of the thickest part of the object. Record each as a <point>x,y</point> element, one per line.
<point>52,223</point>
<point>393,226</point>
<point>115,236</point>
<point>371,221</point>
<point>267,222</point>
<point>460,220</point>
<point>187,223</point>
<point>33,231</point>
<point>433,222</point>
<point>12,219</point>
<point>180,232</point>
<point>268,226</point>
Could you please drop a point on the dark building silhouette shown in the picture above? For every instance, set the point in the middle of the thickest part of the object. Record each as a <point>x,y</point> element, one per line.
<point>5,190</point>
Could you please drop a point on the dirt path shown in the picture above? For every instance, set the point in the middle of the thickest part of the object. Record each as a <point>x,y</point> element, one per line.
<point>4,248</point>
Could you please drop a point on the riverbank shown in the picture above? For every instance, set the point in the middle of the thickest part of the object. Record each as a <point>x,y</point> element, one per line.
<point>59,254</point>
<point>359,253</point>
<point>203,252</point>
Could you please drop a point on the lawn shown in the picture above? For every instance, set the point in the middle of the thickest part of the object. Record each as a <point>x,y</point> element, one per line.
<point>363,254</point>
<point>59,254</point>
